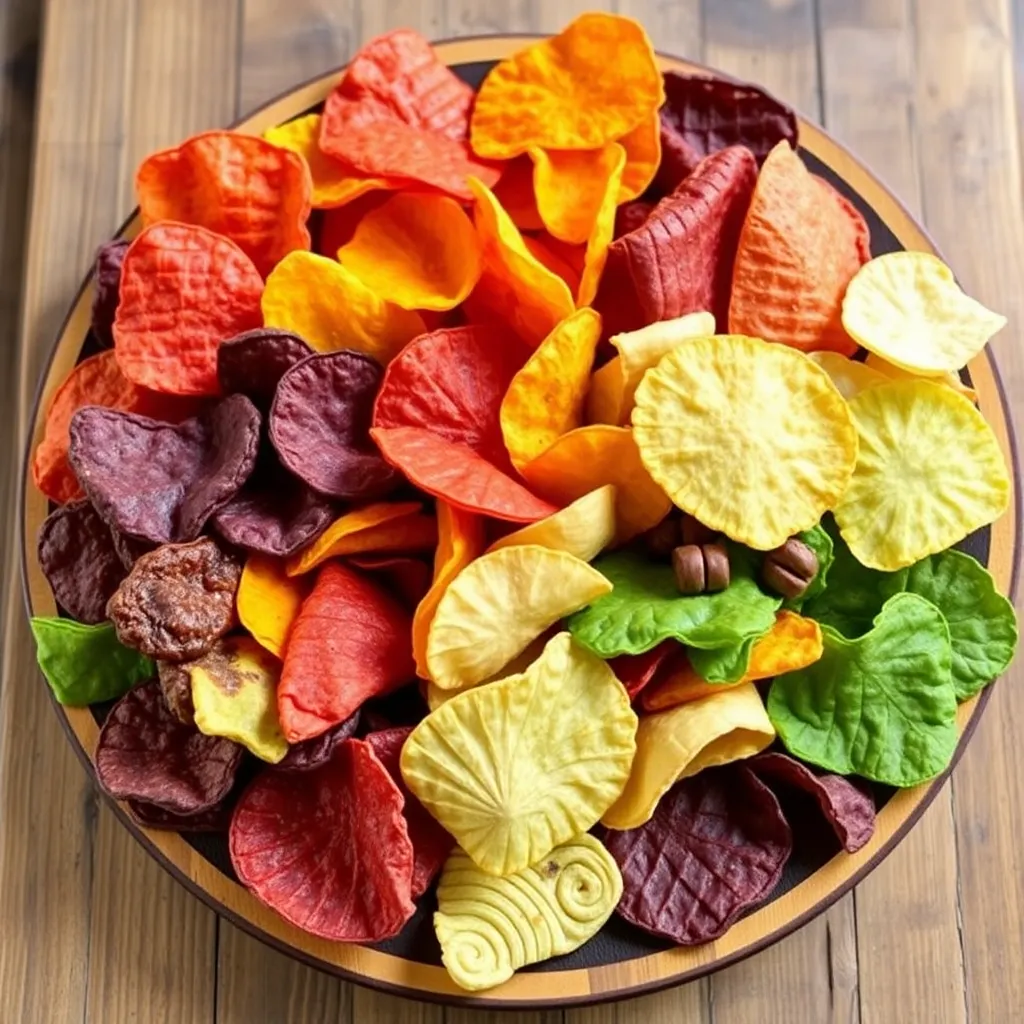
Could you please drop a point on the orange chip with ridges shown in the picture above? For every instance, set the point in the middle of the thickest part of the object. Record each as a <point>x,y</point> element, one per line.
<point>570,185</point>
<point>643,155</point>
<point>268,601</point>
<point>240,186</point>
<point>601,233</point>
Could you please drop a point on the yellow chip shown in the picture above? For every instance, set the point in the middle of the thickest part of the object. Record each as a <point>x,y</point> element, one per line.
<point>751,438</point>
<point>929,473</point>
<point>613,386</point>
<point>545,399</point>
<point>602,233</point>
<point>583,529</point>
<point>498,604</point>
<point>675,744</point>
<point>268,601</point>
<point>907,308</point>
<point>643,155</point>
<point>890,372</point>
<point>570,185</point>
<point>518,767</point>
<point>849,376</point>
<point>234,691</point>
<point>489,927</point>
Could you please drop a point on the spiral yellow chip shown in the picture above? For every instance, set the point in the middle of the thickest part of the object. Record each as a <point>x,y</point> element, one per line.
<point>907,308</point>
<point>929,473</point>
<point>849,376</point>
<point>489,927</point>
<point>517,767</point>
<point>498,604</point>
<point>751,438</point>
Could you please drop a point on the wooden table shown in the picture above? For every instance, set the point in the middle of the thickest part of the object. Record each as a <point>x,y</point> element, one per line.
<point>90,929</point>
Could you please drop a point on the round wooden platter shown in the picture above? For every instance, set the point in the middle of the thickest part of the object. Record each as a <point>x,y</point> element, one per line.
<point>640,970</point>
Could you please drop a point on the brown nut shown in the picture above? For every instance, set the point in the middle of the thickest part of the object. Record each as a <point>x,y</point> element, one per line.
<point>716,567</point>
<point>695,532</point>
<point>662,539</point>
<point>789,569</point>
<point>701,568</point>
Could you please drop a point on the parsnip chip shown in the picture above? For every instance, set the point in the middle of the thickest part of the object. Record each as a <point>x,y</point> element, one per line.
<point>515,768</point>
<point>498,604</point>
<point>269,600</point>
<point>751,438</point>
<point>929,473</point>
<point>849,376</point>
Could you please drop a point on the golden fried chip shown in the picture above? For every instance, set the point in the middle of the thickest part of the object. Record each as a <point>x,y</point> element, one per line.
<point>643,155</point>
<point>570,185</point>
<point>929,473</point>
<point>751,438</point>
<point>890,372</point>
<point>515,768</point>
<point>602,233</point>
<point>268,601</point>
<point>849,376</point>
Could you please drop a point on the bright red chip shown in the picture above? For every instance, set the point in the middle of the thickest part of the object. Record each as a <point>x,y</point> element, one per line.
<point>328,849</point>
<point>635,671</point>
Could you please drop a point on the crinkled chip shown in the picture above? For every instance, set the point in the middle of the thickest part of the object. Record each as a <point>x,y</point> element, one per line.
<point>672,745</point>
<point>252,363</point>
<point>907,308</point>
<point>515,768</point>
<point>489,927</point>
<point>498,604</point>
<point>930,472</point>
<point>602,232</point>
<point>184,290</point>
<point>849,376</point>
<point>751,438</point>
<point>269,600</point>
<point>312,753</point>
<point>328,849</point>
<point>635,671</point>
<point>107,282</point>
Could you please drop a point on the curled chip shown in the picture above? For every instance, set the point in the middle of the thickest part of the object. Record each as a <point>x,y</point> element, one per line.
<point>891,516</point>
<point>583,529</point>
<point>234,693</point>
<point>591,457</point>
<point>107,282</point>
<point>681,259</point>
<point>751,438</point>
<point>849,810</point>
<point>907,308</point>
<point>892,372</point>
<point>176,686</point>
<point>150,816</point>
<point>613,387</point>
<point>581,89</point>
<point>330,671</point>
<point>252,363</point>
<point>158,482</point>
<point>716,846</point>
<point>408,578</point>
<point>327,305</point>
<point>145,753</point>
<point>77,555</point>
<point>328,849</point>
<point>498,604</point>
<point>643,155</point>
<point>849,376</point>
<point>312,753</point>
<point>384,526</point>
<point>559,257</point>
<point>319,423</point>
<point>268,601</point>
<point>184,290</point>
<point>240,186</point>
<point>601,234</point>
<point>514,193</point>
<point>418,251</point>
<point>545,398</point>
<point>672,745</point>
<point>490,927</point>
<point>801,245</point>
<point>177,600</point>
<point>635,671</point>
<point>518,767</point>
<point>570,186</point>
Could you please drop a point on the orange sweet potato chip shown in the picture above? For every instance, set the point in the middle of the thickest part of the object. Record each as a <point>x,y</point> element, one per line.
<point>564,260</point>
<point>339,223</point>
<point>514,192</point>
<point>570,185</point>
<point>601,232</point>
<point>643,155</point>
<point>268,601</point>
<point>240,186</point>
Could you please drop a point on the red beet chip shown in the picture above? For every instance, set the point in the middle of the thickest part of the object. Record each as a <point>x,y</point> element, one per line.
<point>635,671</point>
<point>716,845</point>
<point>328,849</point>
<point>680,260</point>
<point>216,819</point>
<point>310,754</point>
<point>431,844</point>
<point>161,482</point>
<point>252,363</point>
<point>79,560</point>
<point>109,258</point>
<point>145,753</point>
<point>678,161</point>
<point>849,810</point>
<point>319,424</point>
<point>631,216</point>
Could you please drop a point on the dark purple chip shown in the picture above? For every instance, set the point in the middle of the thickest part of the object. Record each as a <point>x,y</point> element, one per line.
<point>253,362</point>
<point>629,216</point>
<point>109,258</point>
<point>309,754</point>
<point>678,161</point>
<point>129,549</point>
<point>79,561</point>
<point>161,482</point>
<point>145,753</point>
<point>216,819</point>
<point>320,422</point>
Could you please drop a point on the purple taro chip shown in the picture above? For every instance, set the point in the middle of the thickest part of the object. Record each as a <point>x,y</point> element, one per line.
<point>109,258</point>
<point>158,481</point>
<point>320,422</point>
<point>145,753</point>
<point>716,845</point>
<point>216,819</point>
<point>849,810</point>
<point>309,754</point>
<point>79,561</point>
<point>253,362</point>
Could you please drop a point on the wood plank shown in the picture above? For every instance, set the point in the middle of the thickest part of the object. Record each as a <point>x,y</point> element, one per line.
<point>688,1003</point>
<point>369,1007</point>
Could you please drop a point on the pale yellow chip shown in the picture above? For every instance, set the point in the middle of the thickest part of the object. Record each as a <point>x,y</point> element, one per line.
<point>849,376</point>
<point>613,386</point>
<point>234,691</point>
<point>583,529</point>
<point>675,744</point>
<point>515,768</point>
<point>929,473</point>
<point>907,308</point>
<point>489,927</point>
<point>498,604</point>
<point>751,438</point>
<point>890,372</point>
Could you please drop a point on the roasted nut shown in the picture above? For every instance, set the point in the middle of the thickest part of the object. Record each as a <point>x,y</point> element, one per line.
<point>662,539</point>
<point>693,531</point>
<point>789,569</point>
<point>701,568</point>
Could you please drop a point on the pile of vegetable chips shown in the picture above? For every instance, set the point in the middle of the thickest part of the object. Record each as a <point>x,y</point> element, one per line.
<point>514,493</point>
